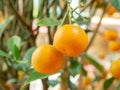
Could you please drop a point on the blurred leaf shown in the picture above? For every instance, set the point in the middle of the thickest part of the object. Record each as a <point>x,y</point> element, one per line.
<point>28,54</point>
<point>75,67</point>
<point>16,52</point>
<point>118,85</point>
<point>2,53</point>
<point>82,20</point>
<point>116,4</point>
<point>94,62</point>
<point>53,82</point>
<point>48,22</point>
<point>14,40</point>
<point>34,76</point>
<point>107,83</point>
<point>5,23</point>
<point>83,71</point>
<point>14,44</point>
<point>11,80</point>
<point>4,67</point>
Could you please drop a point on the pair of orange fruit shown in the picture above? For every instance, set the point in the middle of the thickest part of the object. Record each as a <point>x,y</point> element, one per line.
<point>111,35</point>
<point>69,40</point>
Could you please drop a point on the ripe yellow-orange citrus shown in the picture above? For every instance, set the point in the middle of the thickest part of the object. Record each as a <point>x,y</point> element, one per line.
<point>102,55</point>
<point>47,60</point>
<point>114,68</point>
<point>114,46</point>
<point>111,10</point>
<point>86,81</point>
<point>111,34</point>
<point>70,40</point>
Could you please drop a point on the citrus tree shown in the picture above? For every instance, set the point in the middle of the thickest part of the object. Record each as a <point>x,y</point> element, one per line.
<point>68,49</point>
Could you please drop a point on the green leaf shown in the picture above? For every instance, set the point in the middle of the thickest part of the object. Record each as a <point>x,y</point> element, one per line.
<point>75,67</point>
<point>2,53</point>
<point>118,85</point>
<point>107,83</point>
<point>14,40</point>
<point>94,62</point>
<point>14,44</point>
<point>28,54</point>
<point>34,76</point>
<point>83,71</point>
<point>53,82</point>
<point>16,52</point>
<point>5,23</point>
<point>116,4</point>
<point>48,22</point>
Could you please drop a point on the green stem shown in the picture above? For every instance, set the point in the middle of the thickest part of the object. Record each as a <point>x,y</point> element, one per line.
<point>64,17</point>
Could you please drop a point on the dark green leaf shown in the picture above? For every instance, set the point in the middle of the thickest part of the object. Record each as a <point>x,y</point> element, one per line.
<point>75,67</point>
<point>107,83</point>
<point>118,85</point>
<point>16,52</point>
<point>53,82</point>
<point>2,53</point>
<point>94,62</point>
<point>5,23</point>
<point>116,4</point>
<point>48,22</point>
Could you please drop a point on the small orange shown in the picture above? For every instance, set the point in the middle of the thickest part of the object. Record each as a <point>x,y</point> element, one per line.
<point>114,68</point>
<point>47,60</point>
<point>114,46</point>
<point>111,10</point>
<point>86,81</point>
<point>20,74</point>
<point>70,40</point>
<point>111,34</point>
<point>102,55</point>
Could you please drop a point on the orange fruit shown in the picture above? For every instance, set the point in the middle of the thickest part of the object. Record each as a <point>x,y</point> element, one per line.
<point>70,40</point>
<point>114,68</point>
<point>86,81</point>
<point>111,34</point>
<point>102,55</point>
<point>114,46</point>
<point>47,60</point>
<point>111,10</point>
<point>20,74</point>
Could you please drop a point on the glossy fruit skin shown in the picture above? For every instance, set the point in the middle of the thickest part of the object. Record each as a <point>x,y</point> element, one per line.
<point>114,46</point>
<point>70,40</point>
<point>111,34</point>
<point>114,69</point>
<point>47,60</point>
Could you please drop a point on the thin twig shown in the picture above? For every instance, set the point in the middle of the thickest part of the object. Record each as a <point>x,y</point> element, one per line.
<point>96,29</point>
<point>18,16</point>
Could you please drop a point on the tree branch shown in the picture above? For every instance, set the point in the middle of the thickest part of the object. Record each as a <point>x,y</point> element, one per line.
<point>19,17</point>
<point>96,29</point>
